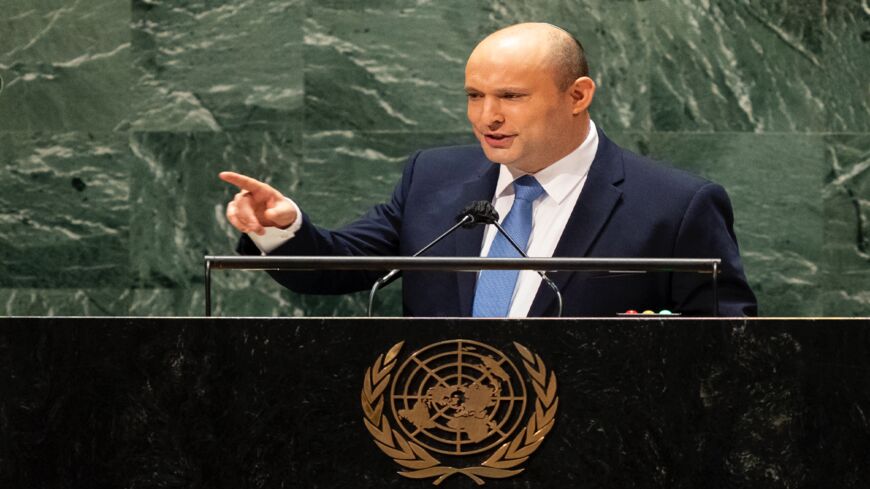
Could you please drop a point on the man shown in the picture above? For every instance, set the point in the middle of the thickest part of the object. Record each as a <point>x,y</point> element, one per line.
<point>559,184</point>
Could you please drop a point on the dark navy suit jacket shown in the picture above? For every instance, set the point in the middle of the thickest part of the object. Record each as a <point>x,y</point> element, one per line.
<point>629,207</point>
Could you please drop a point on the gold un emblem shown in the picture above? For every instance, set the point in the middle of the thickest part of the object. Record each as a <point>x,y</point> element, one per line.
<point>458,401</point>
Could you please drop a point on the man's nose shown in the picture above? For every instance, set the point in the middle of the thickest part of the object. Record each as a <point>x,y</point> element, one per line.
<point>492,115</point>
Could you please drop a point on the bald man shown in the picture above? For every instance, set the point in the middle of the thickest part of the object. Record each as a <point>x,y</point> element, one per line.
<point>559,184</point>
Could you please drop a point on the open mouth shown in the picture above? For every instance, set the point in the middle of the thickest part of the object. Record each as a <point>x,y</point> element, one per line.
<point>499,140</point>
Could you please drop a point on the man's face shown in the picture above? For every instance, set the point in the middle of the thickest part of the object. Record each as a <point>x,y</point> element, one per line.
<point>516,109</point>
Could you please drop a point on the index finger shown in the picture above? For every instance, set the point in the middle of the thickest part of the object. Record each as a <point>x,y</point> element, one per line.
<point>243,182</point>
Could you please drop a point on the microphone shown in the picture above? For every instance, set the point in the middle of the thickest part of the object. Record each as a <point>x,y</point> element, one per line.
<point>487,209</point>
<point>475,213</point>
<point>482,211</point>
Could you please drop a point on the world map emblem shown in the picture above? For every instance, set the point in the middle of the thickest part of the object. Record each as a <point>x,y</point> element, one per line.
<point>459,407</point>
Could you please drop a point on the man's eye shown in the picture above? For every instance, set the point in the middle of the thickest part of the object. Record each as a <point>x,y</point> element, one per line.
<point>473,96</point>
<point>512,95</point>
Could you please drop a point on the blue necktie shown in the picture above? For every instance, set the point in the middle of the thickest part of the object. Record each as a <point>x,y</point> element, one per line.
<point>495,288</point>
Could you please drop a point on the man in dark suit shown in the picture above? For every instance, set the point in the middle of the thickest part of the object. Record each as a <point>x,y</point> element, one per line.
<point>560,184</point>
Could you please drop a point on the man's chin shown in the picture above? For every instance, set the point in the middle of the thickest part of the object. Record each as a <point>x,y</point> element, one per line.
<point>500,156</point>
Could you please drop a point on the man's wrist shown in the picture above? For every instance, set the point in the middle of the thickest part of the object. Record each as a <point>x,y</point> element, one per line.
<point>276,236</point>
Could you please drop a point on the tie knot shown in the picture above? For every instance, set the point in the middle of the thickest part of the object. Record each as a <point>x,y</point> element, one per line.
<point>527,188</point>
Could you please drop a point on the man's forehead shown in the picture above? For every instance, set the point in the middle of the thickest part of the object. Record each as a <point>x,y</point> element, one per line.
<point>503,71</point>
<point>507,60</point>
<point>510,77</point>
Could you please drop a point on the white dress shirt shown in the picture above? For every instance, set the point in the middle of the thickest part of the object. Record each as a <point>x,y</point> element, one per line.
<point>562,182</point>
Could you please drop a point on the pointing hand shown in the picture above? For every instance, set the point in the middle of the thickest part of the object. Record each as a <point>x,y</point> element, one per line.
<point>257,206</point>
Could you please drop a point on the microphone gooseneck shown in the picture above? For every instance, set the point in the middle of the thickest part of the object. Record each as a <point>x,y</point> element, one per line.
<point>477,212</point>
<point>466,219</point>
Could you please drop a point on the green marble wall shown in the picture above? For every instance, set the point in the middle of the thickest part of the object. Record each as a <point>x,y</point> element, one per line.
<point>117,116</point>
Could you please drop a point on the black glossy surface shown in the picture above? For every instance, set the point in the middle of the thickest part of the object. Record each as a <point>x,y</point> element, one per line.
<point>276,402</point>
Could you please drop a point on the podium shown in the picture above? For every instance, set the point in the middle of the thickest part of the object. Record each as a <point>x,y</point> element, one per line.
<point>258,402</point>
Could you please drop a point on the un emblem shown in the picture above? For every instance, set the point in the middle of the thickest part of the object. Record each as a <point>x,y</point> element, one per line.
<point>454,400</point>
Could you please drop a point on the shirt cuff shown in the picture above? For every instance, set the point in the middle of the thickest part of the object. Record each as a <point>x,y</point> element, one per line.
<point>275,237</point>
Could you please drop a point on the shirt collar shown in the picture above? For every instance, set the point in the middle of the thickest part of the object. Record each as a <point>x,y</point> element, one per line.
<point>560,178</point>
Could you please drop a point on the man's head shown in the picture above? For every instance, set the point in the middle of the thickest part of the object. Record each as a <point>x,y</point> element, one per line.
<point>528,95</point>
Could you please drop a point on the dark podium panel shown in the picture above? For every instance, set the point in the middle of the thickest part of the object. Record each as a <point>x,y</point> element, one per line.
<point>237,403</point>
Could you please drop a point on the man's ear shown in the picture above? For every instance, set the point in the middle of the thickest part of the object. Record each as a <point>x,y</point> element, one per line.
<point>582,91</point>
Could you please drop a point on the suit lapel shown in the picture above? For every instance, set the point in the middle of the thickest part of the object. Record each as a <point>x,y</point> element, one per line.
<point>598,199</point>
<point>468,241</point>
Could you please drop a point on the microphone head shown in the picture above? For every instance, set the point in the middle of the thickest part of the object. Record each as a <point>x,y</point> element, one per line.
<point>481,211</point>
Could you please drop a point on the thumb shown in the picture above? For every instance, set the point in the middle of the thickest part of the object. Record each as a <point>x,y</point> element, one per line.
<point>282,213</point>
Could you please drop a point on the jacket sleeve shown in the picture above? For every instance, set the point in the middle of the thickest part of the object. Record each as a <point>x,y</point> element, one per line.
<point>375,234</point>
<point>707,231</point>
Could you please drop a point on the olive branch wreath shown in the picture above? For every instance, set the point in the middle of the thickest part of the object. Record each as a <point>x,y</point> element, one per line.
<point>420,464</point>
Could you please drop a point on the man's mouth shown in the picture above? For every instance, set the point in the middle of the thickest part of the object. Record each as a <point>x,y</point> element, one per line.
<point>496,140</point>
